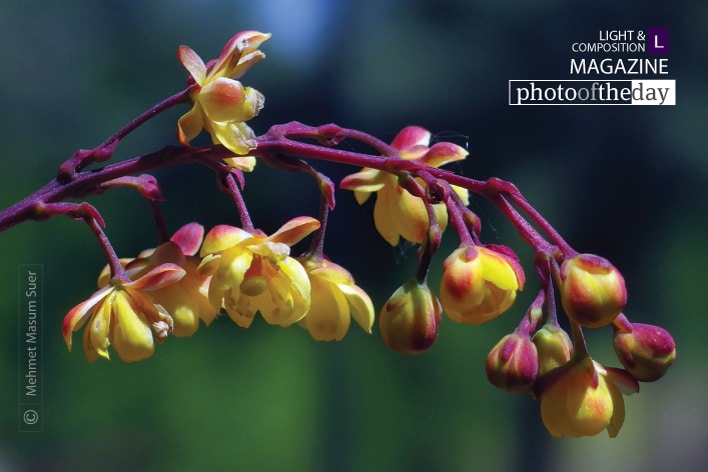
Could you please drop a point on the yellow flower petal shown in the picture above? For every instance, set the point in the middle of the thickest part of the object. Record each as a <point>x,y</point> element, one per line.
<point>617,419</point>
<point>443,153</point>
<point>222,237</point>
<point>77,316</point>
<point>236,137</point>
<point>289,289</point>
<point>366,180</point>
<point>132,337</point>
<point>99,327</point>
<point>295,230</point>
<point>384,216</point>
<point>361,308</point>
<point>273,251</point>
<point>328,317</point>
<point>190,125</point>
<point>327,270</point>
<point>553,412</point>
<point>463,193</point>
<point>242,163</point>
<point>398,213</point>
<point>361,197</point>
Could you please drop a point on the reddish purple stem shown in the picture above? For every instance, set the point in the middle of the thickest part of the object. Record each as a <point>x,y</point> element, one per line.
<point>277,144</point>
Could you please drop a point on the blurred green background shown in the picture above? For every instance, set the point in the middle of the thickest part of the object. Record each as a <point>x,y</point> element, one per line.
<point>624,182</point>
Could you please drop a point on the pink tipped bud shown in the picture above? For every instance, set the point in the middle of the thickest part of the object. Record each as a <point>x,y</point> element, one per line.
<point>512,365</point>
<point>409,319</point>
<point>479,283</point>
<point>646,352</point>
<point>592,290</point>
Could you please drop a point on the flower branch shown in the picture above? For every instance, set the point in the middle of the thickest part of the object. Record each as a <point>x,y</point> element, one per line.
<point>83,158</point>
<point>89,182</point>
<point>192,277</point>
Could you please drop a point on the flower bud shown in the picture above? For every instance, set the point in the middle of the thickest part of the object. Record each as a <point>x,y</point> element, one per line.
<point>554,347</point>
<point>512,365</point>
<point>592,290</point>
<point>409,319</point>
<point>478,284</point>
<point>646,352</point>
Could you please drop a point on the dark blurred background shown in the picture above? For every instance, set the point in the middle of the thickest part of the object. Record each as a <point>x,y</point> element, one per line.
<point>624,182</point>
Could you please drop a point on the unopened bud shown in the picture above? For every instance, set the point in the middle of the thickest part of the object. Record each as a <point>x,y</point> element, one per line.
<point>646,352</point>
<point>592,290</point>
<point>554,347</point>
<point>409,319</point>
<point>512,365</point>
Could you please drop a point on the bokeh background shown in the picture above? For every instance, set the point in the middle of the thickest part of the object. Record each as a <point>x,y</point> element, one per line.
<point>624,182</point>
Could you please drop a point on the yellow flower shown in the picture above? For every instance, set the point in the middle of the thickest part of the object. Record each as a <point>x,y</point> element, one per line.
<point>186,300</point>
<point>123,315</point>
<point>253,272</point>
<point>222,104</point>
<point>335,299</point>
<point>582,398</point>
<point>479,284</point>
<point>397,213</point>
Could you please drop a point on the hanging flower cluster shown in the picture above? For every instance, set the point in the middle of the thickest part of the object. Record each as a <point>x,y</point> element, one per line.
<point>240,271</point>
<point>579,396</point>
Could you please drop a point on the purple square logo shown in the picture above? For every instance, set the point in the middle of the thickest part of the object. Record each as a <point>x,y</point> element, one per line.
<point>658,41</point>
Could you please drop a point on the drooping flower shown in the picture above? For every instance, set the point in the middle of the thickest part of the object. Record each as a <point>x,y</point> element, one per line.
<point>409,320</point>
<point>478,284</point>
<point>125,316</point>
<point>335,299</point>
<point>186,300</point>
<point>252,272</point>
<point>222,105</point>
<point>398,213</point>
<point>583,398</point>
